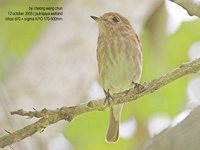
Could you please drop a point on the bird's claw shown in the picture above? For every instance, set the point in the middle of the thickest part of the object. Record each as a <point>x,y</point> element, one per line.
<point>108,97</point>
<point>138,86</point>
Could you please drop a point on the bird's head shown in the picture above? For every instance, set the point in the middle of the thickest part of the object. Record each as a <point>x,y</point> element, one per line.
<point>112,22</point>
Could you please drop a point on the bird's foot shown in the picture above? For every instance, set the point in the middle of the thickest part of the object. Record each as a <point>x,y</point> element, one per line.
<point>138,86</point>
<point>108,97</point>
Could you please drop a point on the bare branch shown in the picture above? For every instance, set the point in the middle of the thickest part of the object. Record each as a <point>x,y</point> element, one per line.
<point>184,136</point>
<point>192,6</point>
<point>48,117</point>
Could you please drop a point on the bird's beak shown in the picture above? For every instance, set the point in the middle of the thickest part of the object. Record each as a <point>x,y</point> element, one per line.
<point>95,18</point>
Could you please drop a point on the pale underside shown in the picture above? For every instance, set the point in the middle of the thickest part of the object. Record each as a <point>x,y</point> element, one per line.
<point>119,64</point>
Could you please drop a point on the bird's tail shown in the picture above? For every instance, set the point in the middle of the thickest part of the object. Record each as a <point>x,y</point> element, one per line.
<point>113,129</point>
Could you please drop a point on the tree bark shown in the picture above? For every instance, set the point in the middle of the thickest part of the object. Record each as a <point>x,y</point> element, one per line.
<point>48,117</point>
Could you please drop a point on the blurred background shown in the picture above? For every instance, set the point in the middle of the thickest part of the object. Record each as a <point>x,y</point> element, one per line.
<point>53,64</point>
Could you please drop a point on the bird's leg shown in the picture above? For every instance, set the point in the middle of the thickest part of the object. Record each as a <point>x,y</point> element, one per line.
<point>138,86</point>
<point>108,97</point>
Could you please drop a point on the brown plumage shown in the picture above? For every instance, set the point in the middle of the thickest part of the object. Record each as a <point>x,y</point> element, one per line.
<point>119,59</point>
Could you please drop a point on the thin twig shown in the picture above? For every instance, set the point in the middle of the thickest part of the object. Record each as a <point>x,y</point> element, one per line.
<point>48,117</point>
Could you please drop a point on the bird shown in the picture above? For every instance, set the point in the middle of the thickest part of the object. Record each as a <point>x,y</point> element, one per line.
<point>119,58</point>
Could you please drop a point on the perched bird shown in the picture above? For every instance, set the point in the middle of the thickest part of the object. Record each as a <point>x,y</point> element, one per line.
<point>119,60</point>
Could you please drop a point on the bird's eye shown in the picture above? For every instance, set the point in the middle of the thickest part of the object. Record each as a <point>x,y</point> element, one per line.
<point>116,19</point>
